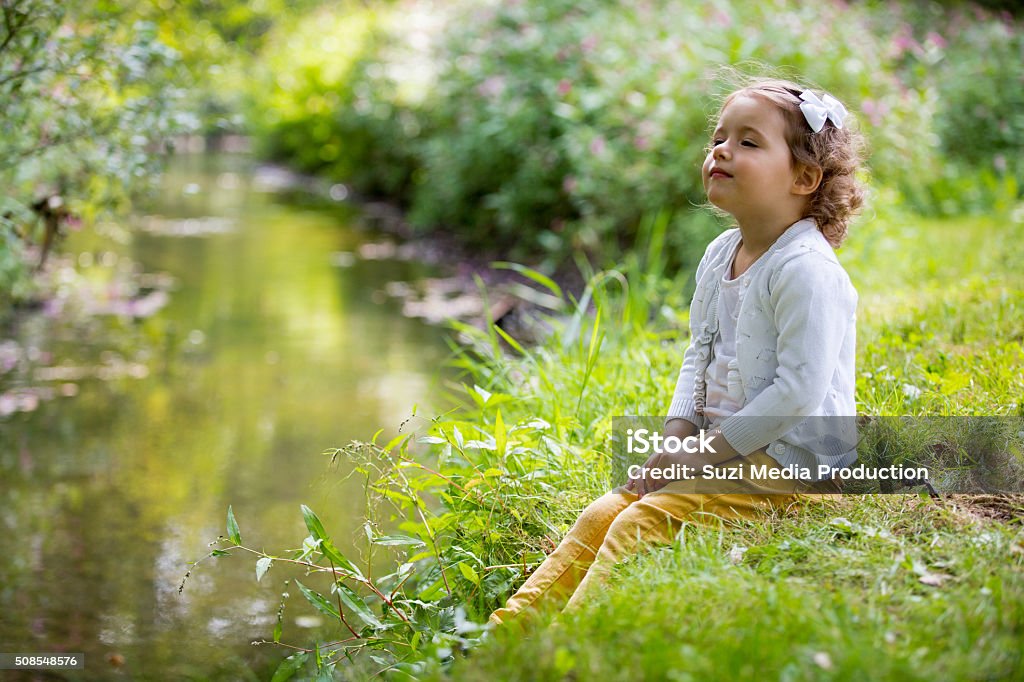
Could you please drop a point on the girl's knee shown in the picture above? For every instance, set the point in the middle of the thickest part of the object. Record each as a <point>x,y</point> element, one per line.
<point>639,521</point>
<point>604,509</point>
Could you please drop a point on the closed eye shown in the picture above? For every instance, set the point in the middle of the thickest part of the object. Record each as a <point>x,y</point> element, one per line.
<point>748,143</point>
<point>715,143</point>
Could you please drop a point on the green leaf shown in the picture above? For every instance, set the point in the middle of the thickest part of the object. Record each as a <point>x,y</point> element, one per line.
<point>484,394</point>
<point>262,566</point>
<point>233,534</point>
<point>510,341</point>
<point>289,667</point>
<point>316,529</point>
<point>468,573</point>
<point>396,441</point>
<point>279,626</point>
<point>309,545</point>
<point>357,606</point>
<point>319,601</point>
<point>435,591</point>
<point>393,540</point>
<point>331,552</point>
<point>532,274</point>
<point>500,435</point>
<point>220,552</point>
<point>326,673</point>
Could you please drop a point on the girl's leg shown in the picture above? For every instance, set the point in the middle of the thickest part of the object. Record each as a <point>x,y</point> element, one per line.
<point>642,524</point>
<point>555,580</point>
<point>657,518</point>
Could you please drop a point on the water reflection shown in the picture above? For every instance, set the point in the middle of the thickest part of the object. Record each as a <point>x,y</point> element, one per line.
<point>266,354</point>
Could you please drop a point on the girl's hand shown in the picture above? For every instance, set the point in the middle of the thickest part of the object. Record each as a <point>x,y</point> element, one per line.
<point>680,428</point>
<point>666,462</point>
<point>671,463</point>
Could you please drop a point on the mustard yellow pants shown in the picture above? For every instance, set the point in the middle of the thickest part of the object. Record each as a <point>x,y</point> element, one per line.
<point>618,525</point>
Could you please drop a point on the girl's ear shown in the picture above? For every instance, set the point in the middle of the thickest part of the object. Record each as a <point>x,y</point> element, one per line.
<point>806,179</point>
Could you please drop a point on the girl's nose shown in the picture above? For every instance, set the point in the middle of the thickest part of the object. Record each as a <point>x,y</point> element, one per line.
<point>720,151</point>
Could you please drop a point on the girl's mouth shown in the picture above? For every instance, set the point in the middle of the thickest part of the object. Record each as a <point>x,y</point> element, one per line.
<point>718,173</point>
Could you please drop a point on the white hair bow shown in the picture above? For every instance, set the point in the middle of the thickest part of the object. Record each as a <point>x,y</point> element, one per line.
<point>816,111</point>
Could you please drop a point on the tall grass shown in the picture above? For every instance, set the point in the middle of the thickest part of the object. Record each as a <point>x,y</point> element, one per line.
<point>876,587</point>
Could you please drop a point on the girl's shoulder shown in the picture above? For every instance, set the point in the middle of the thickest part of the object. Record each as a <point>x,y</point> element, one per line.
<point>804,237</point>
<point>723,241</point>
<point>721,247</point>
<point>805,243</point>
<point>806,262</point>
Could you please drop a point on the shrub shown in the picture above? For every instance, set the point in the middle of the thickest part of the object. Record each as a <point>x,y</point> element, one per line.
<point>552,127</point>
<point>86,100</point>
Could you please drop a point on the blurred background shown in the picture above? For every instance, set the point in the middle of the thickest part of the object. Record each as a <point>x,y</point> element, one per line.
<point>184,326</point>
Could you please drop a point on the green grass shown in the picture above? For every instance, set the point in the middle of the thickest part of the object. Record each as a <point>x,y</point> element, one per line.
<point>867,587</point>
<point>941,317</point>
<point>835,592</point>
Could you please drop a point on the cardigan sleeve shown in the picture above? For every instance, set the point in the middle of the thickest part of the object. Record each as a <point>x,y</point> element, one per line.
<point>814,305</point>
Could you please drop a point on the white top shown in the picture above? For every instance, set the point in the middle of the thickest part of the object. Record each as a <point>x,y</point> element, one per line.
<point>795,348</point>
<point>724,388</point>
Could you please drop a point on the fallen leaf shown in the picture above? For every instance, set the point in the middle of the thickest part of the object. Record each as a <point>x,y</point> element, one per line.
<point>823,660</point>
<point>736,554</point>
<point>935,579</point>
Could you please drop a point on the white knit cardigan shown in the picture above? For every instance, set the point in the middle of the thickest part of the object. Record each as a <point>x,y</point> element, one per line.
<point>795,346</point>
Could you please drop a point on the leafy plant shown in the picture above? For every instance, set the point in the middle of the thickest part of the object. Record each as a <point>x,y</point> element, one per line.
<point>86,101</point>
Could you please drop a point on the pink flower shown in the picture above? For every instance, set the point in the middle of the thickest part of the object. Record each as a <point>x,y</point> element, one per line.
<point>904,42</point>
<point>597,145</point>
<point>569,184</point>
<point>875,111</point>
<point>492,86</point>
<point>8,404</point>
<point>641,142</point>
<point>936,40</point>
<point>722,18</point>
<point>589,43</point>
<point>564,87</point>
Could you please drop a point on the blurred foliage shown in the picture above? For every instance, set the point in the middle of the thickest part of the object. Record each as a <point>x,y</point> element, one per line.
<point>556,112</point>
<point>555,126</point>
<point>526,127</point>
<point>91,93</point>
<point>218,41</point>
<point>87,95</point>
<point>971,60</point>
<point>315,100</point>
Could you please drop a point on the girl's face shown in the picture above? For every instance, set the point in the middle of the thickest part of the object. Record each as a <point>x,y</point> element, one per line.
<point>749,170</point>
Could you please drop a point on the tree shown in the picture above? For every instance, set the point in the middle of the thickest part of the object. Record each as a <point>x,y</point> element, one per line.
<point>87,101</point>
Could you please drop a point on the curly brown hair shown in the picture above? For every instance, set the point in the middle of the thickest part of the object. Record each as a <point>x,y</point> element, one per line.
<point>838,152</point>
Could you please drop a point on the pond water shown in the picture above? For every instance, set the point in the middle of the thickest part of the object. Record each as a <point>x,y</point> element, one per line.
<point>275,345</point>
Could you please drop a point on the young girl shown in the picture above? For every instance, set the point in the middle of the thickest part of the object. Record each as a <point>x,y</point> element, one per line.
<point>772,327</point>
